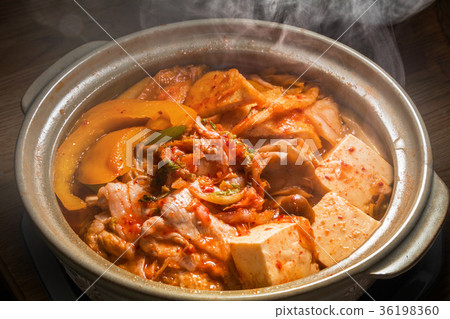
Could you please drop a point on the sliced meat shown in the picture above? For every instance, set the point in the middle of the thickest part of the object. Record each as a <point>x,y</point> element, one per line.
<point>192,280</point>
<point>160,240</point>
<point>128,212</point>
<point>324,116</point>
<point>116,246</point>
<point>136,265</point>
<point>91,237</point>
<point>173,83</point>
<point>184,239</point>
<point>212,237</point>
<point>106,243</point>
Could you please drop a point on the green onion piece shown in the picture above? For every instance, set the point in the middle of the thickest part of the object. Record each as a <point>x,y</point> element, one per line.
<point>173,132</point>
<point>171,165</point>
<point>208,121</point>
<point>228,192</point>
<point>146,198</point>
<point>213,125</point>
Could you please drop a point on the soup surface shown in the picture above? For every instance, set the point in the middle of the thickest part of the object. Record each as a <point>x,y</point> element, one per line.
<point>216,180</point>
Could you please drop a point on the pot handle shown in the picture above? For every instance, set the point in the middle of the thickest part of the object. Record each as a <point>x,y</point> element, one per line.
<point>41,82</point>
<point>420,239</point>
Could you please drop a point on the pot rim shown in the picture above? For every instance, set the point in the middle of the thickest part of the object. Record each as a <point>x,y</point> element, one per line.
<point>140,285</point>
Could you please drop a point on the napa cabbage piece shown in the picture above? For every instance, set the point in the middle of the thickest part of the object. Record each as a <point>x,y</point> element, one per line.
<point>276,106</point>
<point>102,119</point>
<point>221,91</point>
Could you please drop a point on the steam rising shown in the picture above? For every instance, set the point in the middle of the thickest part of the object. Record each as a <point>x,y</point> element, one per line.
<point>372,35</point>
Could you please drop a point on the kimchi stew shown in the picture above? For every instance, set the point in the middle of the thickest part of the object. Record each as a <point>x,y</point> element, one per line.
<point>219,180</point>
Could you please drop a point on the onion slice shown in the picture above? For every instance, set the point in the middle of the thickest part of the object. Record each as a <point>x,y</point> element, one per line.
<point>216,198</point>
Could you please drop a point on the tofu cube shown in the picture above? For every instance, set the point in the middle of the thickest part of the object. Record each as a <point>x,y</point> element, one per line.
<point>340,228</point>
<point>356,172</point>
<point>272,254</point>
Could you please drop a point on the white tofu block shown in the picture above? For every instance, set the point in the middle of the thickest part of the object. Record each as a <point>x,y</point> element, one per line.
<point>340,228</point>
<point>272,254</point>
<point>356,172</point>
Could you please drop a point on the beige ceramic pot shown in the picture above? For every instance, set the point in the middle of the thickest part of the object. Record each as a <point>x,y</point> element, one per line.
<point>99,71</point>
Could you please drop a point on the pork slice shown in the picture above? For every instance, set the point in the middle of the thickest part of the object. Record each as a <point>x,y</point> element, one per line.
<point>91,236</point>
<point>324,116</point>
<point>211,236</point>
<point>160,240</point>
<point>116,246</point>
<point>172,84</point>
<point>192,280</point>
<point>128,212</point>
<point>106,243</point>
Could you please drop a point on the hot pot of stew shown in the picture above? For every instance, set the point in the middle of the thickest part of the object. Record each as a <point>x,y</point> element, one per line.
<point>210,160</point>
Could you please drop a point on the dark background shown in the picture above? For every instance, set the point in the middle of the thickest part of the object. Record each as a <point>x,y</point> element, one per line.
<point>34,34</point>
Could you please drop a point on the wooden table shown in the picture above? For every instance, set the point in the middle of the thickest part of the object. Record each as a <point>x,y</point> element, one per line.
<point>34,34</point>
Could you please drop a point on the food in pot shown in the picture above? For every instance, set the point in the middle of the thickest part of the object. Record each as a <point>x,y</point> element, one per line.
<point>221,180</point>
